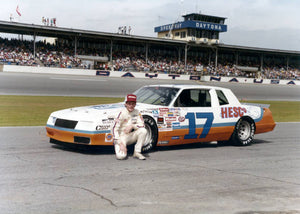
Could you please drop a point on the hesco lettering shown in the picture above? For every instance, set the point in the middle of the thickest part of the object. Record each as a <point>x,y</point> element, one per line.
<point>230,112</point>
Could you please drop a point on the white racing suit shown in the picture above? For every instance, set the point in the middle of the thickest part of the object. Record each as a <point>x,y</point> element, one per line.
<point>137,134</point>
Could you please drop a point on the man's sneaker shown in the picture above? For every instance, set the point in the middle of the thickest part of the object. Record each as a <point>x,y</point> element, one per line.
<point>139,156</point>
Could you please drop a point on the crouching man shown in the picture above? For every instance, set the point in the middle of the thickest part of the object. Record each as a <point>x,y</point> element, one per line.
<point>129,128</point>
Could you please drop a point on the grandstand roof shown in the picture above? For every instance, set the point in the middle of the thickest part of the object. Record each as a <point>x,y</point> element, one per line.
<point>258,49</point>
<point>50,31</point>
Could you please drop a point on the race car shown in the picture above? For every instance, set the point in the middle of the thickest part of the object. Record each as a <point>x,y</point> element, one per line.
<point>173,115</point>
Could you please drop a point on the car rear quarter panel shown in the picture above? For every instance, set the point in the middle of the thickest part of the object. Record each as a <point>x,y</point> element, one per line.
<point>267,123</point>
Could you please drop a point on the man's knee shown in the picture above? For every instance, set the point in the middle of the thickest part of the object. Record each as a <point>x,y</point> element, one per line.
<point>120,155</point>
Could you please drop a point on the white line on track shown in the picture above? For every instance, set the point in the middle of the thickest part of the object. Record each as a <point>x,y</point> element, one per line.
<point>60,78</point>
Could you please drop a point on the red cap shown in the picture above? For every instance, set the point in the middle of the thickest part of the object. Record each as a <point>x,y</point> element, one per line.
<point>130,98</point>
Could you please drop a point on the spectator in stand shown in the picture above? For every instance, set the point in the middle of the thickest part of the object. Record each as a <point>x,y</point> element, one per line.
<point>19,52</point>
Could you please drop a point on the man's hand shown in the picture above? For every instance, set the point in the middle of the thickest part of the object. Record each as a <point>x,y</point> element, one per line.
<point>128,129</point>
<point>123,148</point>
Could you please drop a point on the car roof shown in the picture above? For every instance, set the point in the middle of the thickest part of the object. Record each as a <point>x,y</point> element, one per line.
<point>187,86</point>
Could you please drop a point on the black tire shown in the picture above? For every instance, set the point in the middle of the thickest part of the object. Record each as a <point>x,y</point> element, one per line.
<point>152,134</point>
<point>243,134</point>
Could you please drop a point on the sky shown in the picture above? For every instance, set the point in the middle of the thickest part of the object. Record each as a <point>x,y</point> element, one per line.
<point>254,23</point>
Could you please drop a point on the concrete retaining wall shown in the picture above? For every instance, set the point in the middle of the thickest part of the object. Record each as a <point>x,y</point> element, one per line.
<point>47,70</point>
<point>85,72</point>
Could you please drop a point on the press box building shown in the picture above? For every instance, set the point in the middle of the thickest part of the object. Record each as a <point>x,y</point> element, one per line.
<point>198,28</point>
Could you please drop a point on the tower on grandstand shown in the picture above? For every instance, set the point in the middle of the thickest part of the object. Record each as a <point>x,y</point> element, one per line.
<point>196,27</point>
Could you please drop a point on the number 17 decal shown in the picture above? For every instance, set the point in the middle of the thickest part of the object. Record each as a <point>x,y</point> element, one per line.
<point>192,124</point>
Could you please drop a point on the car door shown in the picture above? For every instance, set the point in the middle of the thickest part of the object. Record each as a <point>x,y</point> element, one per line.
<point>197,115</point>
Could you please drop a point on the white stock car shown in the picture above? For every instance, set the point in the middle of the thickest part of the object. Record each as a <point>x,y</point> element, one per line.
<point>173,115</point>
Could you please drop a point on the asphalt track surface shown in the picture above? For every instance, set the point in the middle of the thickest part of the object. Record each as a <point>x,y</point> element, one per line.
<point>38,177</point>
<point>62,85</point>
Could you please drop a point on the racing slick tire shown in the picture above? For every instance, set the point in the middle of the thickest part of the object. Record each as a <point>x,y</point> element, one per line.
<point>152,134</point>
<point>243,134</point>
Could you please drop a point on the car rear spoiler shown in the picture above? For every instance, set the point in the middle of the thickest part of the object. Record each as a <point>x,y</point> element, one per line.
<point>257,104</point>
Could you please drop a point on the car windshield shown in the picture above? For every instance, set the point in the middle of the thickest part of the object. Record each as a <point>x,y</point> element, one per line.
<point>156,95</point>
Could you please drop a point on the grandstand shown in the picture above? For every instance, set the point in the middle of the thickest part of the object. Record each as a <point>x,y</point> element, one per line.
<point>186,55</point>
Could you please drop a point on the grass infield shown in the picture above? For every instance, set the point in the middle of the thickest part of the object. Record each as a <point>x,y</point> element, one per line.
<point>35,110</point>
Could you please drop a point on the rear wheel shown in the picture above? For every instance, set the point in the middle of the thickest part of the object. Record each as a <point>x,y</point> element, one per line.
<point>152,134</point>
<point>243,134</point>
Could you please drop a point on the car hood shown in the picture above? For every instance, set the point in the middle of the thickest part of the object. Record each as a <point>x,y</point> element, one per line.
<point>88,113</point>
<point>96,114</point>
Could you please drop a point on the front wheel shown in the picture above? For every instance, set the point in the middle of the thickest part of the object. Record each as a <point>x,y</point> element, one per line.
<point>152,134</point>
<point>243,134</point>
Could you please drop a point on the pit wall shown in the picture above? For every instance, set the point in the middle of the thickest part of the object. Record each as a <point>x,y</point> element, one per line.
<point>85,72</point>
